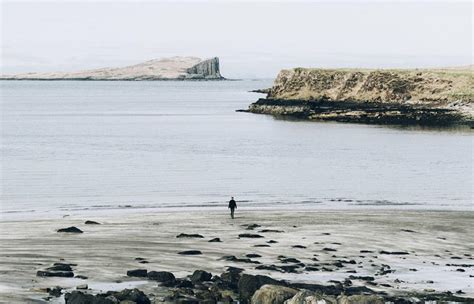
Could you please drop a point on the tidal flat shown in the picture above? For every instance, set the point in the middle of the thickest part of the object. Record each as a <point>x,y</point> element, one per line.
<point>394,252</point>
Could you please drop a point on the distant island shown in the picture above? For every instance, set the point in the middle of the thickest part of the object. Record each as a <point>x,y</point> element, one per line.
<point>381,96</point>
<point>174,68</point>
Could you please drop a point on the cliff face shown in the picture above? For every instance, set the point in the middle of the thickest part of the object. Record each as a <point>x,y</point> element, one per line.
<point>208,68</point>
<point>174,68</point>
<point>372,96</point>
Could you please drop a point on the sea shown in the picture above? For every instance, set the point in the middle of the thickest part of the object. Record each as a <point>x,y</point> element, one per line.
<point>172,145</point>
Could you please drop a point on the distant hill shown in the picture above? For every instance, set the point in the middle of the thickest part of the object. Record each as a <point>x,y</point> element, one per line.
<point>174,68</point>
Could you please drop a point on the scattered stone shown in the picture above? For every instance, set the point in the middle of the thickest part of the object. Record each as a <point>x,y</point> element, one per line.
<point>55,291</point>
<point>82,286</point>
<point>270,294</point>
<point>460,270</point>
<point>60,267</point>
<point>251,226</point>
<point>393,252</point>
<point>81,277</point>
<point>363,278</point>
<point>61,274</point>
<point>141,273</point>
<point>366,251</point>
<point>71,229</point>
<point>192,235</point>
<point>329,249</point>
<point>91,223</point>
<point>200,276</point>
<point>272,242</point>
<point>298,246</point>
<point>408,230</point>
<point>215,240</point>
<point>161,276</point>
<point>271,230</point>
<point>250,235</point>
<point>248,284</point>
<point>261,245</point>
<point>190,252</point>
<point>253,255</point>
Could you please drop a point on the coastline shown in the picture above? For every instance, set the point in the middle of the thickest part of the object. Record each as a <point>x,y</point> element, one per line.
<point>105,252</point>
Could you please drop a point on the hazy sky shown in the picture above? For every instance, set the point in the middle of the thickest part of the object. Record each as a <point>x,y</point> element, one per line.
<point>252,38</point>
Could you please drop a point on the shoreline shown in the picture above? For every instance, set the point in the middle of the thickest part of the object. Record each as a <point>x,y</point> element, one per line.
<point>432,239</point>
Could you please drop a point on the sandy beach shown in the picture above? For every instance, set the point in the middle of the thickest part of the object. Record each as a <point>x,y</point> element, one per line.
<point>434,249</point>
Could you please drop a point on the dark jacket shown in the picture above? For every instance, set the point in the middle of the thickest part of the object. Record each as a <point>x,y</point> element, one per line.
<point>232,204</point>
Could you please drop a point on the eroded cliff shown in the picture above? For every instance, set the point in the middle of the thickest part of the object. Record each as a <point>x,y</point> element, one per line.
<point>174,68</point>
<point>425,96</point>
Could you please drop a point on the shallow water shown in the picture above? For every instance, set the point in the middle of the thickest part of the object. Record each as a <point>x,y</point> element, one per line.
<point>70,145</point>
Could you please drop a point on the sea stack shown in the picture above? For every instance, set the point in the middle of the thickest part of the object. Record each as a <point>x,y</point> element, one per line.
<point>416,96</point>
<point>174,68</point>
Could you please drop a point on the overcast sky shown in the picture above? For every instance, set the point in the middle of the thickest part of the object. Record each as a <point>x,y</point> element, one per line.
<point>252,38</point>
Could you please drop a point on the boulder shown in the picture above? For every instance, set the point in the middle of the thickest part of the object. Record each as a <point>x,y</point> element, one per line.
<point>71,229</point>
<point>82,286</point>
<point>250,235</point>
<point>135,295</point>
<point>61,274</point>
<point>137,273</point>
<point>248,284</point>
<point>215,240</point>
<point>272,294</point>
<point>55,291</point>
<point>310,297</point>
<point>91,223</point>
<point>200,276</point>
<point>360,299</point>
<point>78,297</point>
<point>190,252</point>
<point>60,267</point>
<point>161,276</point>
<point>193,235</point>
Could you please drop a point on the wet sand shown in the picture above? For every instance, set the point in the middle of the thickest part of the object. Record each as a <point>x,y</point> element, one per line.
<point>439,246</point>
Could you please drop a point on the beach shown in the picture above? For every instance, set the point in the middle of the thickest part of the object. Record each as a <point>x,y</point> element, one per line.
<point>425,251</point>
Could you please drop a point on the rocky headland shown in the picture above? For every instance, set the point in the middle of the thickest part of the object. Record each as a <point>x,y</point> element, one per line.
<point>416,96</point>
<point>174,68</point>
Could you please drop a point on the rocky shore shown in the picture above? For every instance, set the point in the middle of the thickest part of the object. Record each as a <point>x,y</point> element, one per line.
<point>174,68</point>
<point>404,97</point>
<point>260,257</point>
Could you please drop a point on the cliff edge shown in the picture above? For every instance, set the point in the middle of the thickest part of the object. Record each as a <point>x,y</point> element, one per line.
<point>174,68</point>
<point>417,96</point>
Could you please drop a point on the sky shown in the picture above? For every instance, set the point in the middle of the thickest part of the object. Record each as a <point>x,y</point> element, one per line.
<point>253,39</point>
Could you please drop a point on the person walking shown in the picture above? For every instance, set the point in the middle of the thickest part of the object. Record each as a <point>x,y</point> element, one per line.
<point>232,206</point>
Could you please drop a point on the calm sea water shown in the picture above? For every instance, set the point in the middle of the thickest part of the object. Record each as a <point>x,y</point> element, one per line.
<point>74,145</point>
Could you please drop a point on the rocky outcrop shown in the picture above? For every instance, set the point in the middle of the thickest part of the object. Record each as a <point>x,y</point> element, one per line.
<point>437,97</point>
<point>174,68</point>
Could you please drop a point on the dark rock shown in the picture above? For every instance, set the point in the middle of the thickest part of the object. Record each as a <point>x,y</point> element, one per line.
<point>231,277</point>
<point>271,230</point>
<point>248,284</point>
<point>91,223</point>
<point>215,240</point>
<point>193,235</point>
<point>61,274</point>
<point>253,255</point>
<point>272,242</point>
<point>55,291</point>
<point>133,295</point>
<point>268,267</point>
<point>366,251</point>
<point>71,229</point>
<point>393,252</point>
<point>200,276</point>
<point>363,278</point>
<point>183,283</point>
<point>408,230</point>
<point>250,235</point>
<point>261,245</point>
<point>190,252</point>
<point>329,249</point>
<point>78,297</point>
<point>251,226</point>
<point>141,273</point>
<point>284,259</point>
<point>298,246</point>
<point>60,267</point>
<point>161,276</point>
<point>81,277</point>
